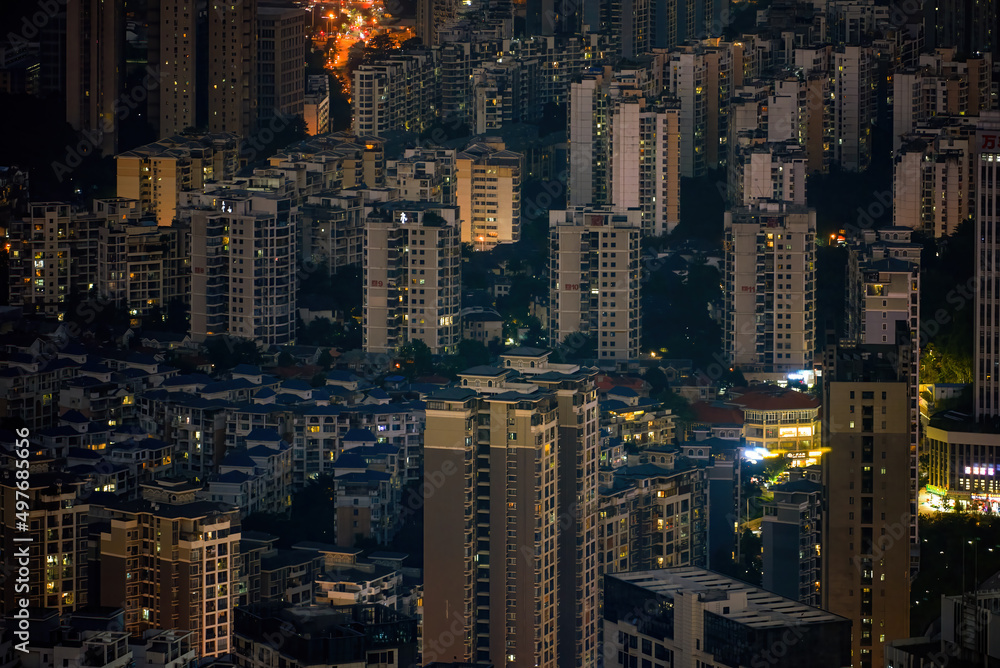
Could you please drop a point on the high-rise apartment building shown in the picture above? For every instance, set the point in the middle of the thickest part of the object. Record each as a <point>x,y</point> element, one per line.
<point>142,267</point>
<point>156,174</point>
<point>114,251</point>
<point>645,162</point>
<point>941,84</point>
<point>933,180</point>
<point>505,93</point>
<point>594,278</point>
<point>412,284</point>
<point>432,15</point>
<point>231,84</point>
<point>769,172</point>
<point>172,561</point>
<point>589,137</point>
<point>511,558</point>
<point>57,537</point>
<point>396,93</point>
<point>281,64</point>
<point>653,515</point>
<point>987,352</point>
<point>427,175</point>
<point>969,25</point>
<point>883,302</point>
<point>174,27</point>
<point>853,77</point>
<point>488,193</point>
<point>205,56</point>
<point>95,67</point>
<point>316,104</point>
<point>770,287</point>
<point>243,264</point>
<point>53,255</point>
<point>626,145</point>
<point>699,75</point>
<point>867,511</point>
<point>791,541</point>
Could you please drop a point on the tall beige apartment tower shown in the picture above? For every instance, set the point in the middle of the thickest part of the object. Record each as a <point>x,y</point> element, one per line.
<point>488,192</point>
<point>867,511</point>
<point>510,574</point>
<point>412,281</point>
<point>770,286</point>
<point>594,278</point>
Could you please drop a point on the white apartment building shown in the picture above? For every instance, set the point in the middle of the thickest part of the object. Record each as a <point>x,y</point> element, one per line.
<point>589,135</point>
<point>594,278</point>
<point>412,280</point>
<point>770,288</point>
<point>699,76</point>
<point>244,248</point>
<point>488,193</point>
<point>770,172</point>
<point>939,85</point>
<point>423,175</point>
<point>645,162</point>
<point>933,182</point>
<point>395,94</point>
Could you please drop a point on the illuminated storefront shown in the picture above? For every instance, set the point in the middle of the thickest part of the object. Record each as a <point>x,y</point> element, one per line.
<point>962,466</point>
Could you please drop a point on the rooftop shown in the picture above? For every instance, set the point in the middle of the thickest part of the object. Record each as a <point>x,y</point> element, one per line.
<point>763,609</point>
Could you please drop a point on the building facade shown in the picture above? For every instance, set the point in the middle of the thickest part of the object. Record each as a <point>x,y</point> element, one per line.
<point>770,287</point>
<point>594,278</point>
<point>412,282</point>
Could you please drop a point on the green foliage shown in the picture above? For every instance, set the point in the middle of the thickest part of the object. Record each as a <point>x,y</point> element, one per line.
<point>285,358</point>
<point>576,347</point>
<point>416,359</point>
<point>470,353</point>
<point>946,307</point>
<point>225,352</point>
<point>675,315</point>
<point>939,366</point>
<point>703,208</point>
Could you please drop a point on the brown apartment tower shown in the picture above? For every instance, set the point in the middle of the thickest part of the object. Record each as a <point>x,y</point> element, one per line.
<point>511,501</point>
<point>866,514</point>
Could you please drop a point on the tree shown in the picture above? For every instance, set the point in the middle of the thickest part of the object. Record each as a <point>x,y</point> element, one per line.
<point>225,352</point>
<point>417,359</point>
<point>325,360</point>
<point>285,358</point>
